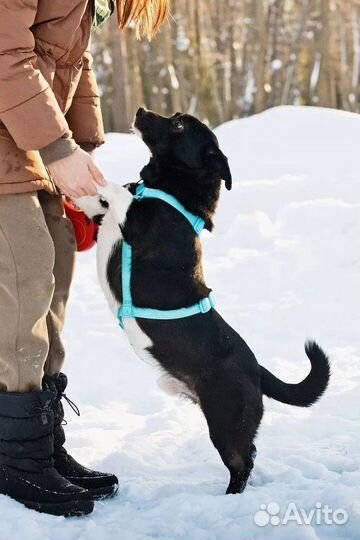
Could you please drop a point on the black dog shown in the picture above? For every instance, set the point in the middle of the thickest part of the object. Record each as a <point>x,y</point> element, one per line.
<point>202,356</point>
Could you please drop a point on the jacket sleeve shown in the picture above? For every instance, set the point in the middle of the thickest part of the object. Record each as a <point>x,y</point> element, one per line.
<point>28,107</point>
<point>84,116</point>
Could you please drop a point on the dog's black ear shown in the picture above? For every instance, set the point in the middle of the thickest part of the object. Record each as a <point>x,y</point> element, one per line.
<point>219,163</point>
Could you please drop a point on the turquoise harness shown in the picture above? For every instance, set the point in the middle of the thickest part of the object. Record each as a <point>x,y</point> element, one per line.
<point>127,309</point>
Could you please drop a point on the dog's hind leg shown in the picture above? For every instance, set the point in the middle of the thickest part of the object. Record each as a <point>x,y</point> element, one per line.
<point>232,429</point>
<point>240,466</point>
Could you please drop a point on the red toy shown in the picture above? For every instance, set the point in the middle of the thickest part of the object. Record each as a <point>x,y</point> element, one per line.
<point>85,229</point>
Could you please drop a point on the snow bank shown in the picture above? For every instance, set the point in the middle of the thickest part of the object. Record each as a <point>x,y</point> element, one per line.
<point>284,264</point>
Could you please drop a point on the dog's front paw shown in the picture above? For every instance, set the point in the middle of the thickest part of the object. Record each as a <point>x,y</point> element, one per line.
<point>92,206</point>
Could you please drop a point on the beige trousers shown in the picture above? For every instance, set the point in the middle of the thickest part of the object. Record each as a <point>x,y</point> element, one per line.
<point>37,256</point>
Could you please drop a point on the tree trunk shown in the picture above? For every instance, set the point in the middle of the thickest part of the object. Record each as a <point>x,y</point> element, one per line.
<point>120,102</point>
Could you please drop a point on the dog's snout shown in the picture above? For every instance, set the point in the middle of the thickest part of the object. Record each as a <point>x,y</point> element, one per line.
<point>141,112</point>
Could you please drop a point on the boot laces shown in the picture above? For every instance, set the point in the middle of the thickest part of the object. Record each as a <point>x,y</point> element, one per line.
<point>72,405</point>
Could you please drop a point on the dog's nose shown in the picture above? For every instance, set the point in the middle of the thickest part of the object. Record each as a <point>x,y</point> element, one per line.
<point>141,111</point>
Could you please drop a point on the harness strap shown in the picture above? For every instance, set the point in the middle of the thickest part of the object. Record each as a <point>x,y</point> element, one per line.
<point>142,192</point>
<point>127,310</point>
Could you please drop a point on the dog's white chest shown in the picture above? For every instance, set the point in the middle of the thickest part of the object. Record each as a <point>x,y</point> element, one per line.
<point>108,237</point>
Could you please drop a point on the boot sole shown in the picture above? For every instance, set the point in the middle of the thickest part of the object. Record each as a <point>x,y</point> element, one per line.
<point>102,493</point>
<point>66,509</point>
<point>96,494</point>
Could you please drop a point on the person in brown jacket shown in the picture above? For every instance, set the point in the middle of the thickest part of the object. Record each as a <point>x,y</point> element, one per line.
<point>50,123</point>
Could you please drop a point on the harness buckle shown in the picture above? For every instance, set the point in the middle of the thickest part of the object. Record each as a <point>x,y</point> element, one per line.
<point>212,300</point>
<point>127,312</point>
<point>140,191</point>
<point>198,225</point>
<point>204,305</point>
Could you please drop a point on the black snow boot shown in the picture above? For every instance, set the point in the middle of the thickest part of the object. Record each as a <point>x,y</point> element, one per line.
<point>27,472</point>
<point>100,485</point>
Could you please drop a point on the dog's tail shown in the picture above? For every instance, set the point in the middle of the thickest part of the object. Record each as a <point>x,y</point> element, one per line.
<point>308,391</point>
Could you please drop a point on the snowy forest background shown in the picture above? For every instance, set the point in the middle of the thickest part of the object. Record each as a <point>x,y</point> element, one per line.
<point>224,59</point>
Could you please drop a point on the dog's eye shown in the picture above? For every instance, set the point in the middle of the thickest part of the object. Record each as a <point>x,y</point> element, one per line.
<point>178,126</point>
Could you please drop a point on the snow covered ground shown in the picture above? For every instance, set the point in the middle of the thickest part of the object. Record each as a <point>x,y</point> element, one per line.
<point>284,264</point>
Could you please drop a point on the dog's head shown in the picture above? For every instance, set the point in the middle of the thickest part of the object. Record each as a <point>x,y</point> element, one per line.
<point>183,143</point>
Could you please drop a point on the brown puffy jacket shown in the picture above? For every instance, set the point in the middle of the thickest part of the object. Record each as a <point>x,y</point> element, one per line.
<point>46,86</point>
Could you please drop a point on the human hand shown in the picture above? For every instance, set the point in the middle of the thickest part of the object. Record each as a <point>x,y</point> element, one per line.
<point>77,175</point>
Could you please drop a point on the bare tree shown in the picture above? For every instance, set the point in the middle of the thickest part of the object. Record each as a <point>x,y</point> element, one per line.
<point>223,59</point>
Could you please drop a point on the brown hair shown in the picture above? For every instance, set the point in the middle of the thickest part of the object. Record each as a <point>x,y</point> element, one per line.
<point>147,14</point>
